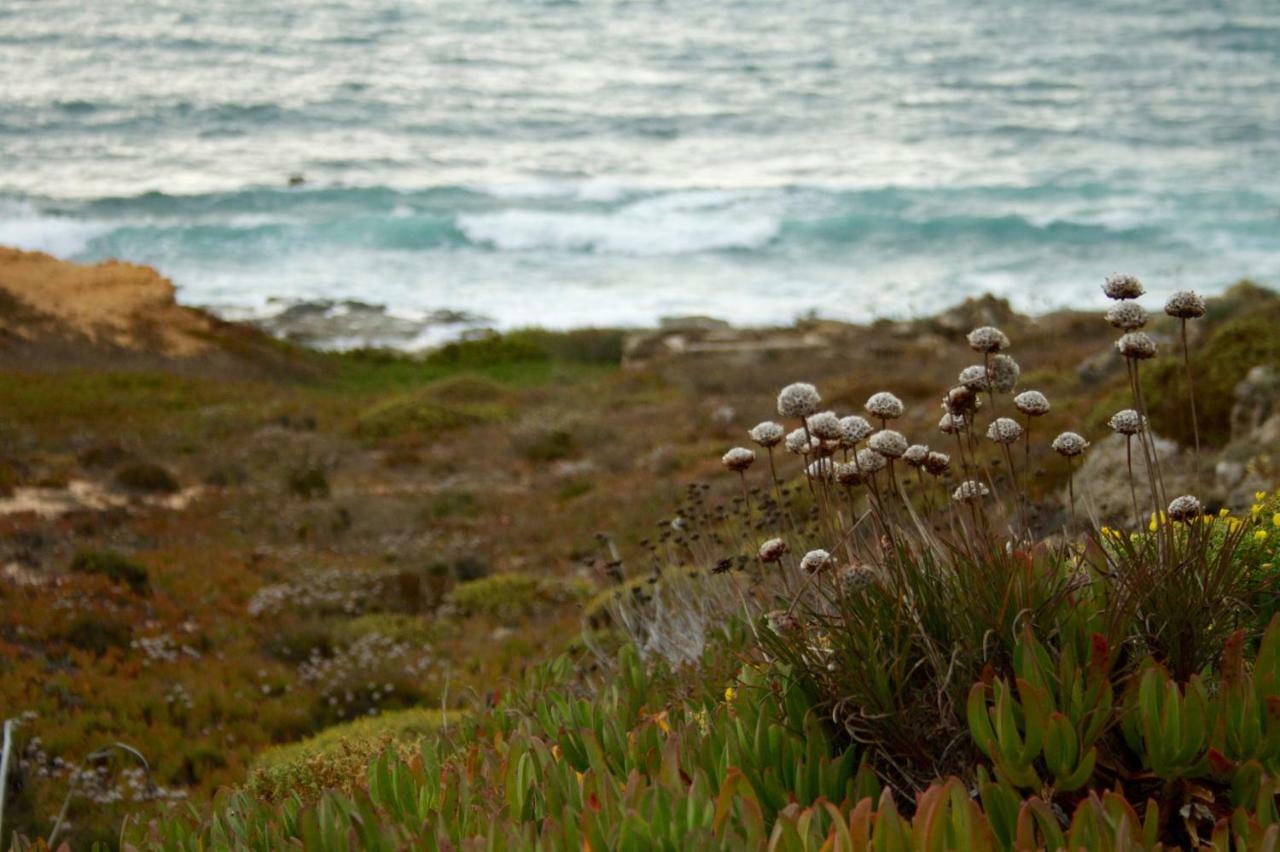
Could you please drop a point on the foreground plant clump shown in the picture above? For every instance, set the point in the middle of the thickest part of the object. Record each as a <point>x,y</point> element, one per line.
<point>885,640</point>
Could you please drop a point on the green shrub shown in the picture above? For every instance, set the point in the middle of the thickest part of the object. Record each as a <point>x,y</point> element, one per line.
<point>115,566</point>
<point>422,414</point>
<point>146,478</point>
<point>335,758</point>
<point>400,627</point>
<point>308,482</point>
<point>97,633</point>
<point>514,595</point>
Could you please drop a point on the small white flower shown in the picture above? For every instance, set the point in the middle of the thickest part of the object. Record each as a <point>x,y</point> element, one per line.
<point>1032,403</point>
<point>974,377</point>
<point>853,430</point>
<point>824,425</point>
<point>801,443</point>
<point>1185,508</point>
<point>1126,422</point>
<point>916,455</point>
<point>952,424</point>
<point>854,578</point>
<point>767,434</point>
<point>1184,304</point>
<point>1004,373</point>
<point>814,561</point>
<point>970,490</point>
<point>823,469</point>
<point>1129,316</point>
<point>738,459</point>
<point>988,339</point>
<point>888,443</point>
<point>1123,287</point>
<point>1137,345</point>
<point>869,461</point>
<point>773,550</point>
<point>848,474</point>
<point>937,463</point>
<point>798,400</point>
<point>885,405</point>
<point>1004,430</point>
<point>1069,444</point>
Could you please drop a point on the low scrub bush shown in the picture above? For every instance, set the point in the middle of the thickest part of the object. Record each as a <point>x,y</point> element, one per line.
<point>115,566</point>
<point>146,478</point>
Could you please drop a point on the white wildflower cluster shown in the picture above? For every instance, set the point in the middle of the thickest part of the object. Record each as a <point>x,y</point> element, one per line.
<point>361,677</point>
<point>98,782</point>
<point>161,648</point>
<point>328,590</point>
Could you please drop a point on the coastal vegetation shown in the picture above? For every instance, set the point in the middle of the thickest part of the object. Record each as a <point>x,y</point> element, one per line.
<point>507,595</point>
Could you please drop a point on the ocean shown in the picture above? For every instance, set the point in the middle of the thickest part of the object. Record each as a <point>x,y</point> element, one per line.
<point>563,163</point>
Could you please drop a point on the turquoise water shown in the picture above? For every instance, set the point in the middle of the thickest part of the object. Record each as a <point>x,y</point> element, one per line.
<point>569,163</point>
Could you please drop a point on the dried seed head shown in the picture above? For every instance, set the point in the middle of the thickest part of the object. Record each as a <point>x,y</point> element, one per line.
<point>974,378</point>
<point>961,400</point>
<point>853,430</point>
<point>1069,444</point>
<point>1031,403</point>
<point>1004,373</point>
<point>888,443</point>
<point>988,339</point>
<point>1126,422</point>
<point>855,578</point>
<point>767,434</point>
<point>814,561</point>
<point>970,490</point>
<point>952,424</point>
<point>822,469</point>
<point>738,459</point>
<point>781,622</point>
<point>798,400</point>
<point>1129,316</point>
<point>869,461</point>
<point>773,550</point>
<point>1123,287</point>
<point>1184,304</point>
<point>937,463</point>
<point>885,405</point>
<point>916,455</point>
<point>1137,345</point>
<point>801,443</point>
<point>1185,508</point>
<point>825,425</point>
<point>1004,430</point>
<point>848,474</point>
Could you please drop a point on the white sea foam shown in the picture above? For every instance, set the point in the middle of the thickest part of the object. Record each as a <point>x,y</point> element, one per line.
<point>22,226</point>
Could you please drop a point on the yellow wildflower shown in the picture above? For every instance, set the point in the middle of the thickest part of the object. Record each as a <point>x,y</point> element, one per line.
<point>1259,496</point>
<point>1222,513</point>
<point>1255,509</point>
<point>661,719</point>
<point>1275,520</point>
<point>1260,535</point>
<point>556,753</point>
<point>730,693</point>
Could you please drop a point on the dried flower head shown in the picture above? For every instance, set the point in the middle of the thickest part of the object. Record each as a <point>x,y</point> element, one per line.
<point>988,339</point>
<point>1123,287</point>
<point>773,550</point>
<point>937,463</point>
<point>1004,430</point>
<point>952,424</point>
<point>853,430</point>
<point>781,622</point>
<point>848,474</point>
<point>801,443</point>
<point>822,468</point>
<point>825,425</point>
<point>869,461</point>
<point>1005,373</point>
<point>1137,345</point>
<point>1185,508</point>
<point>738,459</point>
<point>767,434</point>
<point>974,377</point>
<point>855,578</point>
<point>885,405</point>
<point>1069,444</point>
<point>1126,422</point>
<point>1031,403</point>
<point>888,443</point>
<point>814,561</point>
<point>1129,316</point>
<point>915,455</point>
<point>798,400</point>
<point>1184,304</point>
<point>970,490</point>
